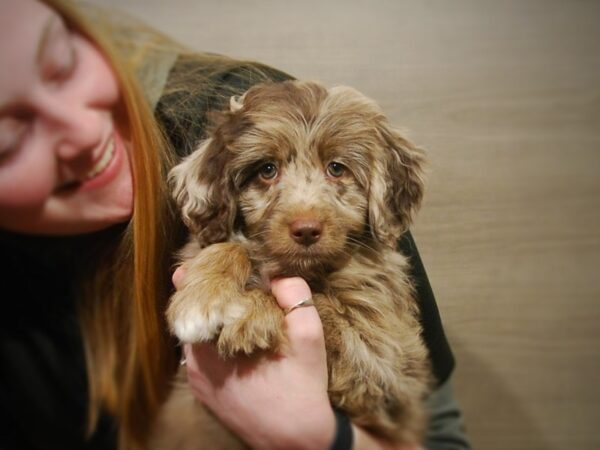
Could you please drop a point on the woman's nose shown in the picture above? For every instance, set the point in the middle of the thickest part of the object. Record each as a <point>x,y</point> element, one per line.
<point>75,129</point>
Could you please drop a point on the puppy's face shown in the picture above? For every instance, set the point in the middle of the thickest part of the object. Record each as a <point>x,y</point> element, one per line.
<point>307,173</point>
<point>303,183</point>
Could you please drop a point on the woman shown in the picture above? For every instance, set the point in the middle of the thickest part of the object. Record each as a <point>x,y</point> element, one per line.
<point>88,234</point>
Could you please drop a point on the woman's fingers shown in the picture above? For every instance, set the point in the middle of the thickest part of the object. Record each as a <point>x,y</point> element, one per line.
<point>206,369</point>
<point>303,325</point>
<point>177,277</point>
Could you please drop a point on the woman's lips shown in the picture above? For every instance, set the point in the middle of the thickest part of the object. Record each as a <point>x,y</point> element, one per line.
<point>104,160</point>
<point>106,168</point>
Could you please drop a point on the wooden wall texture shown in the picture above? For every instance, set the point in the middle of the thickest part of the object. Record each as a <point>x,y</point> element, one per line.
<point>505,96</point>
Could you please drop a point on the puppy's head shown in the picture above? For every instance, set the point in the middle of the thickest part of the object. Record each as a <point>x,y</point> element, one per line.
<point>308,173</point>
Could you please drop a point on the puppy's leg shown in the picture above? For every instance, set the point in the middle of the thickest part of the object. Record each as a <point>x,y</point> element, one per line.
<point>378,372</point>
<point>213,305</point>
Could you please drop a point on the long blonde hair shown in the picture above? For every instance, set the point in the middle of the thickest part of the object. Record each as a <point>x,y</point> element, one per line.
<point>129,355</point>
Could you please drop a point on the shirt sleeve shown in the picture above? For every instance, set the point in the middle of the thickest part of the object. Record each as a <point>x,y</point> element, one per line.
<point>440,354</point>
<point>446,429</point>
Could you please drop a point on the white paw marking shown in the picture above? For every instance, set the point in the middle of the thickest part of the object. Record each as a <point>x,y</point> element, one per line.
<point>201,324</point>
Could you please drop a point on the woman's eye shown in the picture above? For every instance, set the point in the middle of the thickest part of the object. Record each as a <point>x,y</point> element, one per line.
<point>12,132</point>
<point>61,67</point>
<point>67,70</point>
<point>267,171</point>
<point>335,169</point>
<point>58,58</point>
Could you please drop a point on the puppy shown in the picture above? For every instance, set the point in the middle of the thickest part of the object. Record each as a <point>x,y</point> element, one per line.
<point>300,180</point>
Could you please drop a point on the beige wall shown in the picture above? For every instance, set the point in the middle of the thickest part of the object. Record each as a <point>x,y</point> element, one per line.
<point>505,95</point>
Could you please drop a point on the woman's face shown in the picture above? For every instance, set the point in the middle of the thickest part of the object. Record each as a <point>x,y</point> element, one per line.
<point>64,168</point>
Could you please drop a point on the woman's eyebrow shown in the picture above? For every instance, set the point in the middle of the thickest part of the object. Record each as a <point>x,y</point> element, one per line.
<point>45,38</point>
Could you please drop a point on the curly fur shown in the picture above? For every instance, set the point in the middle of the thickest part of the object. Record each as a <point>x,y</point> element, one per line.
<point>336,228</point>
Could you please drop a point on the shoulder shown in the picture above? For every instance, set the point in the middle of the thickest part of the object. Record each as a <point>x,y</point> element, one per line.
<point>199,83</point>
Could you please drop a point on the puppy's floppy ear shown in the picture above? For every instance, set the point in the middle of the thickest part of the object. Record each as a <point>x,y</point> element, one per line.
<point>397,186</point>
<point>203,193</point>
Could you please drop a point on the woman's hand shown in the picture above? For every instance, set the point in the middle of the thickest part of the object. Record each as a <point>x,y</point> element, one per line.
<point>276,401</point>
<point>271,401</point>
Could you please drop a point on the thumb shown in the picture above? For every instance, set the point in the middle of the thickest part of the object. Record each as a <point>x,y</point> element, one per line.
<point>303,325</point>
<point>177,277</point>
<point>290,291</point>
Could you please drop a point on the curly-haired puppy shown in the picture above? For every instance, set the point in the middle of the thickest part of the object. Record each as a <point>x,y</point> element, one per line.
<point>297,179</point>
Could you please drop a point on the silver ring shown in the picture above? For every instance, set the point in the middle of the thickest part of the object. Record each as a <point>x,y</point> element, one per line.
<point>300,304</point>
<point>183,361</point>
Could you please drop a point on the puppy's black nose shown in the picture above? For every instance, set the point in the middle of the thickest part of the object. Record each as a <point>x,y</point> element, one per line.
<point>306,231</point>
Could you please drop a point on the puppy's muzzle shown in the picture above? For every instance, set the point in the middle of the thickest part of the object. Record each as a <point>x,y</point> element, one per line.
<point>306,232</point>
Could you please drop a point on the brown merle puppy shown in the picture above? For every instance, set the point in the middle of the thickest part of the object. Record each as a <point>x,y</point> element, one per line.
<point>301,180</point>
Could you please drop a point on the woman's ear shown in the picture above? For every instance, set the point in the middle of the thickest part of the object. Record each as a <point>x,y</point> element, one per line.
<point>397,186</point>
<point>202,192</point>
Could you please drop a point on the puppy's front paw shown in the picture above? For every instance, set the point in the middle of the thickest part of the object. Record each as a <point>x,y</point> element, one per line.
<point>209,296</point>
<point>193,318</point>
<point>261,328</point>
<point>213,304</point>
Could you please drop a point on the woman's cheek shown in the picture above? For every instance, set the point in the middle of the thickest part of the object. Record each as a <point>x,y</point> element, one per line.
<point>27,183</point>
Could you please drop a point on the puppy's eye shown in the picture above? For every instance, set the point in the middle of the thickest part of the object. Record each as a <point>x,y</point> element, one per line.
<point>335,169</point>
<point>267,171</point>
